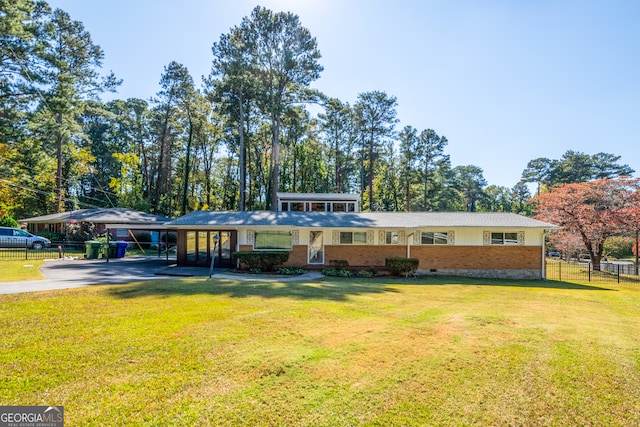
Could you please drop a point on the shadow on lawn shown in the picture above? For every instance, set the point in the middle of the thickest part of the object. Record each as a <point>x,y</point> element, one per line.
<point>543,284</point>
<point>326,288</point>
<point>318,289</point>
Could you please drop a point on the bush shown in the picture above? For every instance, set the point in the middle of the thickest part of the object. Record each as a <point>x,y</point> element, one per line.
<point>365,274</point>
<point>291,271</point>
<point>144,239</point>
<point>339,263</point>
<point>7,221</point>
<point>401,266</point>
<point>51,235</point>
<point>262,260</point>
<point>619,247</point>
<point>337,272</point>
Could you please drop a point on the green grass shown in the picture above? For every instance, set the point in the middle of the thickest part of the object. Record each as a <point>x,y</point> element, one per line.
<point>428,351</point>
<point>13,271</point>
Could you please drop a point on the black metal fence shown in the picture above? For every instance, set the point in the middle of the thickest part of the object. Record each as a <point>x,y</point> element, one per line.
<point>609,272</point>
<point>10,251</point>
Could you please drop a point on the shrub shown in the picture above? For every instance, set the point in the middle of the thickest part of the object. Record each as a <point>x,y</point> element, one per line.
<point>365,274</point>
<point>338,272</point>
<point>7,221</point>
<point>401,266</point>
<point>291,271</point>
<point>339,263</point>
<point>262,260</point>
<point>619,247</point>
<point>144,239</point>
<point>51,235</point>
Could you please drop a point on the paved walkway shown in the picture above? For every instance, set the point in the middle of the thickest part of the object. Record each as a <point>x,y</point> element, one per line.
<point>75,273</point>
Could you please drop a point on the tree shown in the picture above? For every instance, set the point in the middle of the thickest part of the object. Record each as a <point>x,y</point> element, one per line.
<point>537,172</point>
<point>176,86</point>
<point>574,166</point>
<point>408,138</point>
<point>376,118</point>
<point>337,125</point>
<point>284,57</point>
<point>470,183</point>
<point>594,210</point>
<point>430,152</point>
<point>72,62</point>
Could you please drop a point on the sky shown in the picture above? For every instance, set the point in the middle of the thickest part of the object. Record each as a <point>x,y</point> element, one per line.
<point>506,81</point>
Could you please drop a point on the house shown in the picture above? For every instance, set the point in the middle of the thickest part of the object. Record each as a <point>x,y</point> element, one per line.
<point>496,245</point>
<point>121,222</point>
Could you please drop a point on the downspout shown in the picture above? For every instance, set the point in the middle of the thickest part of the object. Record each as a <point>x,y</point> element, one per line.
<point>409,244</point>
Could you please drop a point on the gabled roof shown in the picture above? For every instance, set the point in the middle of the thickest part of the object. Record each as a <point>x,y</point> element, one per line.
<point>207,219</point>
<point>100,215</point>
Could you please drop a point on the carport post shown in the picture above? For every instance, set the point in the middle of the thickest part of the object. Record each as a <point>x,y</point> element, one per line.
<point>107,251</point>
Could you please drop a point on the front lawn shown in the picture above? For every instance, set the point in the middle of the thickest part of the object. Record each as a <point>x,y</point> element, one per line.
<point>333,352</point>
<point>20,270</point>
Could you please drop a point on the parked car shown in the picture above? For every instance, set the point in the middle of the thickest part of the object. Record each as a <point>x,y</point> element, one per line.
<point>554,254</point>
<point>16,238</point>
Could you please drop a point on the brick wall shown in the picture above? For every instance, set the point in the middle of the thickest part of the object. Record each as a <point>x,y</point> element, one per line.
<point>478,257</point>
<point>431,257</point>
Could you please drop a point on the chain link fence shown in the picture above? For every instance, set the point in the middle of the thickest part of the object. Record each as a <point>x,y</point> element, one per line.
<point>609,272</point>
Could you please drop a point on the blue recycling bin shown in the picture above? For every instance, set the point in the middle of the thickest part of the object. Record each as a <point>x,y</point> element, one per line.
<point>121,249</point>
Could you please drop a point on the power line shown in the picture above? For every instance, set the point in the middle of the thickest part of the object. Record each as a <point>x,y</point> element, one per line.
<point>66,199</point>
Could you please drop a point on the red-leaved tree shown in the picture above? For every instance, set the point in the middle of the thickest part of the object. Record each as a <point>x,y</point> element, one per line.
<point>593,210</point>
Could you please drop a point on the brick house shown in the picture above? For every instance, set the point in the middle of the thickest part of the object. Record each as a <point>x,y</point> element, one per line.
<point>497,245</point>
<point>122,223</point>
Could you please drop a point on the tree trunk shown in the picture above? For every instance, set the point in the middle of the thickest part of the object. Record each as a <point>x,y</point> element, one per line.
<point>275,171</point>
<point>187,170</point>
<point>59,141</point>
<point>242,160</point>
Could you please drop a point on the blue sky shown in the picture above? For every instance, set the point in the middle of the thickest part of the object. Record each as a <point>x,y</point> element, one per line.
<point>505,81</point>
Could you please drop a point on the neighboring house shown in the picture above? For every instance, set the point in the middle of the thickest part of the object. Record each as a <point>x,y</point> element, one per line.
<point>121,222</point>
<point>497,245</point>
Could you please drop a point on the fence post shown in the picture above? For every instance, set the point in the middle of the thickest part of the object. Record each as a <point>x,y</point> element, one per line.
<point>560,271</point>
<point>589,272</point>
<point>618,273</point>
<point>26,250</point>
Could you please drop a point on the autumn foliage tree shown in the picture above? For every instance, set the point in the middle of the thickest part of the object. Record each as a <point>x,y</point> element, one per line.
<point>594,210</point>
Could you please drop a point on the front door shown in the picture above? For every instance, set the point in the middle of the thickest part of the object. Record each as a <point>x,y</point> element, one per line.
<point>316,247</point>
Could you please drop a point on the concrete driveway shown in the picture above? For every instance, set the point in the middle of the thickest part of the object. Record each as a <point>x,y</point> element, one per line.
<point>71,273</point>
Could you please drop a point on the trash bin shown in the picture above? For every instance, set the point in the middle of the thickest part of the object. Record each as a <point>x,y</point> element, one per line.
<point>92,249</point>
<point>121,250</point>
<point>113,249</point>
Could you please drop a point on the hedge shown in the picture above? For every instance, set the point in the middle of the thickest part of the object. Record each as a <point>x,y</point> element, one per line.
<point>262,260</point>
<point>401,266</point>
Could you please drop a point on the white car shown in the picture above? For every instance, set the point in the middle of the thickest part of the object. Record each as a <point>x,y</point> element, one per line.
<point>16,238</point>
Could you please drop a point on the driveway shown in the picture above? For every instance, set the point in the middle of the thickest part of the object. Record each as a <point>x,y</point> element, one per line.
<point>76,273</point>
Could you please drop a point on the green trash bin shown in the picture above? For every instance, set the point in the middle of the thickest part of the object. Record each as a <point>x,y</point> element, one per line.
<point>92,249</point>
<point>113,249</point>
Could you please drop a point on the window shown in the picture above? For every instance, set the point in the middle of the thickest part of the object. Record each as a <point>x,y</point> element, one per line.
<point>296,206</point>
<point>272,240</point>
<point>504,238</point>
<point>339,207</point>
<point>434,238</point>
<point>391,238</point>
<point>317,207</point>
<point>353,237</point>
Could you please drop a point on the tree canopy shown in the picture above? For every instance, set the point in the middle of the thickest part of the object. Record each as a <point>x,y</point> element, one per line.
<point>230,143</point>
<point>591,211</point>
